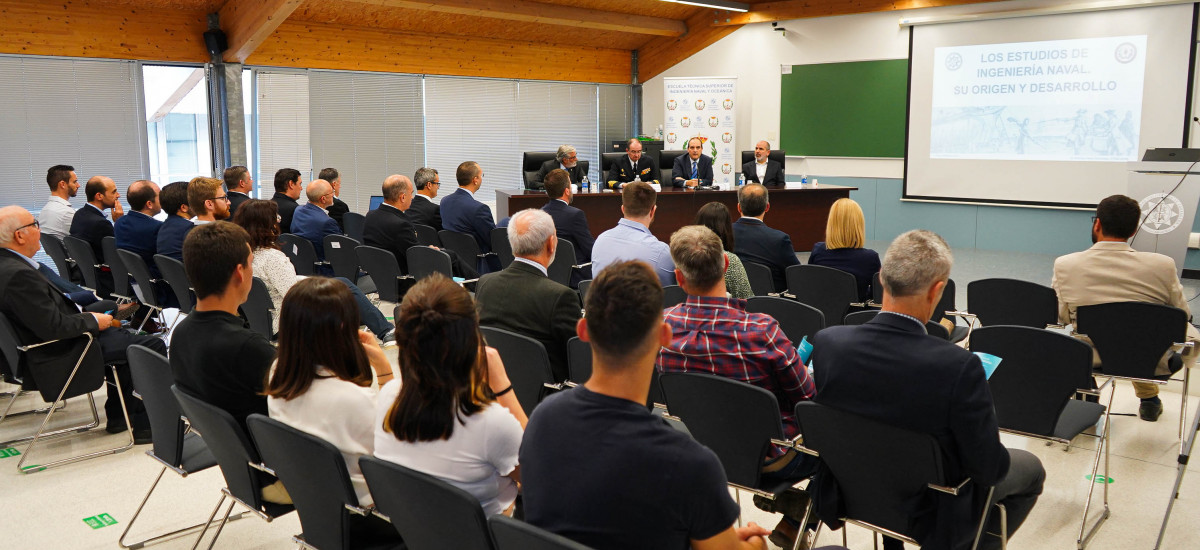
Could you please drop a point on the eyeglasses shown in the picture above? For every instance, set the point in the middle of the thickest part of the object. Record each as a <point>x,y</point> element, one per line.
<point>222,197</point>
<point>34,224</point>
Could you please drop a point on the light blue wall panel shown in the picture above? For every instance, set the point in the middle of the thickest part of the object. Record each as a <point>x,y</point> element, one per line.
<point>954,222</point>
<point>1039,230</point>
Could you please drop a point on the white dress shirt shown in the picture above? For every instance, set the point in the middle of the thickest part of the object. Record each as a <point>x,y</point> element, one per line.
<point>55,218</point>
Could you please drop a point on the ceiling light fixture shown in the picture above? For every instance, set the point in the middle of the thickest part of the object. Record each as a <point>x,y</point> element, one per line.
<point>715,4</point>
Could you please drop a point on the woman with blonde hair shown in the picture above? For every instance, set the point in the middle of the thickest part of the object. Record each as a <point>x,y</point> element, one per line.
<point>845,234</point>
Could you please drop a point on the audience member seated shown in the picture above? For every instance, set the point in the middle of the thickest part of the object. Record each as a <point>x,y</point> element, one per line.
<point>633,166</point>
<point>845,235</point>
<point>423,210</point>
<point>755,242</point>
<point>564,159</point>
<point>138,232</point>
<point>277,272</point>
<point>325,366</point>
<point>715,216</point>
<point>522,299</point>
<point>177,225</point>
<point>313,223</point>
<point>207,200</point>
<point>238,184</point>
<point>462,212</point>
<point>944,393</point>
<point>90,224</point>
<point>569,222</point>
<point>601,469</point>
<point>631,239</point>
<point>288,186</point>
<point>55,218</point>
<point>339,208</point>
<point>39,312</point>
<point>1112,271</point>
<point>452,414</point>
<point>693,169</point>
<point>713,334</point>
<point>388,227</point>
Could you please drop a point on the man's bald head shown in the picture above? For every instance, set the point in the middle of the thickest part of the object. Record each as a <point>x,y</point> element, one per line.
<point>103,186</point>
<point>318,189</point>
<point>395,187</point>
<point>143,197</point>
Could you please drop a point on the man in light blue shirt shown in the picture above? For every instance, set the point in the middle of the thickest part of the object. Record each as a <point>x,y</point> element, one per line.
<point>631,238</point>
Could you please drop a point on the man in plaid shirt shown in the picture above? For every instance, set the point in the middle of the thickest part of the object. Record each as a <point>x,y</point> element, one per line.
<point>713,333</point>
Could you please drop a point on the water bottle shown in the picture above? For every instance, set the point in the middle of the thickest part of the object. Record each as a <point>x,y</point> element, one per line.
<point>803,181</point>
<point>741,180</point>
<point>586,185</point>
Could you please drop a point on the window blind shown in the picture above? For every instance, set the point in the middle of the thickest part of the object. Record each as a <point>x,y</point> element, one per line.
<point>283,127</point>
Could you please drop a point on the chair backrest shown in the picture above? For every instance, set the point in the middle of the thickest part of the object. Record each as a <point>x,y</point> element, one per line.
<point>584,285</point>
<point>339,252</point>
<point>876,289</point>
<point>531,162</point>
<point>429,513</point>
<point>462,244</point>
<point>825,288</point>
<point>258,308</point>
<point>140,273</point>
<point>58,253</point>
<point>514,534</point>
<point>579,360</point>
<point>301,252</point>
<point>860,317</point>
<point>153,378</point>
<point>560,269</point>
<point>666,162</point>
<point>1039,372</point>
<point>501,246</point>
<point>353,224</point>
<point>946,303</point>
<point>527,363</point>
<point>1012,302</point>
<point>85,259</point>
<point>777,155</point>
<point>673,295</point>
<point>935,328</point>
<point>761,281</point>
<point>1131,337</point>
<point>739,430</point>
<point>384,270</point>
<point>607,160</point>
<point>797,320</point>
<point>120,273</point>
<point>427,235</point>
<point>880,469</point>
<point>424,261</point>
<point>229,445</point>
<point>314,472</point>
<point>10,365</point>
<point>172,270</point>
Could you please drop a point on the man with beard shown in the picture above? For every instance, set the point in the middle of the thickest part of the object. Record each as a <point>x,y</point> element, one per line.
<point>564,159</point>
<point>90,224</point>
<point>207,199</point>
<point>55,218</point>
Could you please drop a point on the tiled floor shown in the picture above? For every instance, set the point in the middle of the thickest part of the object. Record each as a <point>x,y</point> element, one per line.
<point>47,509</point>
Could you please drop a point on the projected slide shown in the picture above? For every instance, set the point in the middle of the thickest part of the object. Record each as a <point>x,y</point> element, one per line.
<point>1061,100</point>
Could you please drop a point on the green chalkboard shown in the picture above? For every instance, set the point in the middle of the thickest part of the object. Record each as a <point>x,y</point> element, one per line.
<point>854,109</point>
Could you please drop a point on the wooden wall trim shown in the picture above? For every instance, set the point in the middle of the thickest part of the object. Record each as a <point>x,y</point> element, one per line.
<point>800,9</point>
<point>537,12</point>
<point>79,28</point>
<point>662,53</point>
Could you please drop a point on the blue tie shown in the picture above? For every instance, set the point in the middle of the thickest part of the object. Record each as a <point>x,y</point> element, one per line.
<point>693,169</point>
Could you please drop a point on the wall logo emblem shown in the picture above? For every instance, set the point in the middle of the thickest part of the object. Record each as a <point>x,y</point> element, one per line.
<point>699,104</point>
<point>713,122</point>
<point>1126,52</point>
<point>954,61</point>
<point>726,168</point>
<point>726,137</point>
<point>671,137</point>
<point>727,104</point>
<point>1163,213</point>
<point>672,104</point>
<point>685,122</point>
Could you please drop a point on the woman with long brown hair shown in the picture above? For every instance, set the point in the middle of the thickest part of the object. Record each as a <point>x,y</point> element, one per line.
<point>452,414</point>
<point>715,216</point>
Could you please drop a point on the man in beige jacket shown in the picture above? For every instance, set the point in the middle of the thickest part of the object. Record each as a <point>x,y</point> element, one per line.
<point>1112,271</point>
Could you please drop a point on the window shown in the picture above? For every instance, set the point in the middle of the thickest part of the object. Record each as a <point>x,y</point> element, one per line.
<point>177,132</point>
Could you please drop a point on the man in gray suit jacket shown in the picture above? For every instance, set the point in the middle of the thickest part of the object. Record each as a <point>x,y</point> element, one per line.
<point>522,299</point>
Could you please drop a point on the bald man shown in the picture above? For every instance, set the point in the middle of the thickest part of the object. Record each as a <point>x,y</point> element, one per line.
<point>389,227</point>
<point>91,225</point>
<point>762,169</point>
<point>312,220</point>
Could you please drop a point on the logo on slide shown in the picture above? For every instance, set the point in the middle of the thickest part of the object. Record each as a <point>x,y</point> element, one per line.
<point>727,104</point>
<point>1166,215</point>
<point>1126,52</point>
<point>671,105</point>
<point>953,61</point>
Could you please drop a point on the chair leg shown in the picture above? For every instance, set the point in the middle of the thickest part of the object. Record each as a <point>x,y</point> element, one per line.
<point>114,450</point>
<point>1085,534</point>
<point>1187,371</point>
<point>144,542</point>
<point>13,398</point>
<point>224,520</point>
<point>216,508</point>
<point>979,531</point>
<point>62,431</point>
<point>737,497</point>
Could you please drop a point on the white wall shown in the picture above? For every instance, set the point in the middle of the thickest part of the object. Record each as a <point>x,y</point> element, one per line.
<point>756,52</point>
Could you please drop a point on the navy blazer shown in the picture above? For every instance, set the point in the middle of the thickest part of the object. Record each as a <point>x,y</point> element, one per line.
<point>623,171</point>
<point>236,198</point>
<point>287,208</point>
<point>388,228</point>
<point>863,263</point>
<point>773,177</point>
<point>425,212</point>
<point>313,224</point>
<point>682,170</point>
<point>890,370</point>
<point>171,235</point>
<point>571,224</point>
<point>90,225</point>
<point>754,242</point>
<point>462,213</point>
<point>137,232</point>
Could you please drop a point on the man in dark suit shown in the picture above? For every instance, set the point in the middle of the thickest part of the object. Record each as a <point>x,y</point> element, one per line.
<point>762,169</point>
<point>521,298</point>
<point>565,159</point>
<point>338,208</point>
<point>138,231</point>
<point>313,223</point>
<point>174,200</point>
<point>288,186</point>
<point>570,223</point>
<point>423,210</point>
<point>39,312</point>
<point>238,185</point>
<point>462,212</point>
<point>632,166</point>
<point>693,169</point>
<point>389,227</point>
<point>90,224</point>
<point>755,242</point>
<point>935,387</point>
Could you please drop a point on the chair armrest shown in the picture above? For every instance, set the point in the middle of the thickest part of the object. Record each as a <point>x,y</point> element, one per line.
<point>261,467</point>
<point>795,445</point>
<point>380,515</point>
<point>1180,346</point>
<point>559,386</point>
<point>359,510</point>
<point>465,281</point>
<point>1055,326</point>
<point>950,490</point>
<point>486,254</point>
<point>581,266</point>
<point>48,342</point>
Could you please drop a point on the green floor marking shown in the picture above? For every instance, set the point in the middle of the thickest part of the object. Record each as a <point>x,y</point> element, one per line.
<point>93,522</point>
<point>107,519</point>
<point>1099,479</point>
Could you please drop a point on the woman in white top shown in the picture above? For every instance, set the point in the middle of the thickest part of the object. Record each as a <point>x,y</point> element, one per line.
<point>261,220</point>
<point>452,413</point>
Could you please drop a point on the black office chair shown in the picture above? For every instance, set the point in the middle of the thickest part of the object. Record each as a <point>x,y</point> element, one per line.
<point>147,286</point>
<point>353,224</point>
<point>876,289</point>
<point>314,472</point>
<point>584,285</point>
<point>339,254</point>
<point>579,360</point>
<point>607,160</point>
<point>120,274</point>
<point>464,245</point>
<point>947,303</point>
<point>429,513</point>
<point>862,317</point>
<point>501,246</point>
<point>62,261</point>
<point>514,534</point>
<point>761,280</point>
<point>740,430</point>
<point>302,253</point>
<point>427,235</point>
<point>173,271</point>
<point>937,329</point>
<point>85,261</point>
<point>424,261</point>
<point>565,269</point>
<point>1012,302</point>
<point>666,163</point>
<point>830,290</point>
<point>879,469</point>
<point>384,270</point>
<point>527,363</point>
<point>239,461</point>
<point>797,320</point>
<point>531,163</point>
<point>175,446</point>
<point>777,155</point>
<point>673,295</point>
<point>1033,389</point>
<point>258,309</point>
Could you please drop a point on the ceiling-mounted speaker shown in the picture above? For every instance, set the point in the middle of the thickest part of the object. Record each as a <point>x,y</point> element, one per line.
<point>215,41</point>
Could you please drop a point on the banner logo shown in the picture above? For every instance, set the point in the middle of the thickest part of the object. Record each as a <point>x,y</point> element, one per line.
<point>727,104</point>
<point>671,105</point>
<point>713,122</point>
<point>685,122</point>
<point>671,137</point>
<point>1163,213</point>
<point>699,104</point>
<point>727,137</point>
<point>726,169</point>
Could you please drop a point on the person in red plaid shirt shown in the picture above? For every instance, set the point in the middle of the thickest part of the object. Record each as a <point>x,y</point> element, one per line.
<point>713,333</point>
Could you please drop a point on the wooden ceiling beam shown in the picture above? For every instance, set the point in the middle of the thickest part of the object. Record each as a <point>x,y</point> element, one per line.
<point>247,23</point>
<point>800,9</point>
<point>660,54</point>
<point>84,28</point>
<point>553,14</point>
